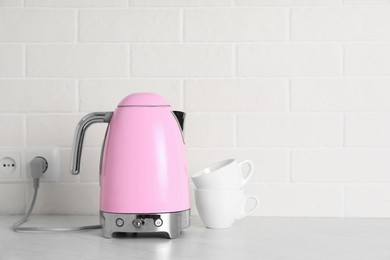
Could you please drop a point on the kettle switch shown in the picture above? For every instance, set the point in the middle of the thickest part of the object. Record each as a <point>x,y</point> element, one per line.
<point>137,223</point>
<point>119,222</point>
<point>158,222</point>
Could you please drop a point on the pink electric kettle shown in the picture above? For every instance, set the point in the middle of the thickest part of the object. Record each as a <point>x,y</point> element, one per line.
<point>143,170</point>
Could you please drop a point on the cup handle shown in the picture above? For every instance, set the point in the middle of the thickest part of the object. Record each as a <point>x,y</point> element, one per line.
<point>244,212</point>
<point>245,178</point>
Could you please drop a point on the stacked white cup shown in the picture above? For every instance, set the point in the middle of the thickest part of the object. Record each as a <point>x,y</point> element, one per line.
<point>219,194</point>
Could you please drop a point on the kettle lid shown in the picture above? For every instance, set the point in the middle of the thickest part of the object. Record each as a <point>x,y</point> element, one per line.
<point>143,99</point>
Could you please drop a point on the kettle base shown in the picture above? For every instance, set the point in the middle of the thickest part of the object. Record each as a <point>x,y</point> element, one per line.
<point>171,223</point>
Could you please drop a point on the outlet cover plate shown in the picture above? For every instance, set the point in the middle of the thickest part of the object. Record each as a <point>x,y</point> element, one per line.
<point>23,157</point>
<point>10,167</point>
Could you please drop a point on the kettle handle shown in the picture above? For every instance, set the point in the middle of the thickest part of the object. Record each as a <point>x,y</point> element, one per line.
<point>85,122</point>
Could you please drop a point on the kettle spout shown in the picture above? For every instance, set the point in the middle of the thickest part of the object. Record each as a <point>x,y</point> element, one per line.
<point>180,116</point>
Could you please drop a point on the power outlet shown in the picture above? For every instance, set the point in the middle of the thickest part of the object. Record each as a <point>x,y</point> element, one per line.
<point>51,155</point>
<point>15,164</point>
<point>10,164</point>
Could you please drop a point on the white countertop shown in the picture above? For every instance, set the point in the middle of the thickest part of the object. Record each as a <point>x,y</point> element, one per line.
<point>249,238</point>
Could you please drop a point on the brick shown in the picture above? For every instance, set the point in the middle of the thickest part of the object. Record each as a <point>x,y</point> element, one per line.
<point>77,60</point>
<point>16,191</point>
<point>133,25</point>
<point>367,59</point>
<point>69,198</point>
<point>90,165</point>
<point>173,3</point>
<point>367,200</point>
<point>237,24</point>
<point>65,175</point>
<point>284,130</point>
<point>37,25</point>
<point>51,130</point>
<point>12,130</point>
<point>181,60</point>
<point>58,130</point>
<point>11,61</point>
<point>98,95</point>
<point>298,200</point>
<point>31,96</point>
<point>366,2</point>
<point>76,3</point>
<point>368,129</point>
<point>340,94</point>
<point>340,165</point>
<point>242,95</point>
<point>340,23</point>
<point>11,3</point>
<point>209,130</point>
<point>287,2</point>
<point>282,59</point>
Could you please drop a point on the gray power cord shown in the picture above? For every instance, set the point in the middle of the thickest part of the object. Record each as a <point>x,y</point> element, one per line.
<point>38,167</point>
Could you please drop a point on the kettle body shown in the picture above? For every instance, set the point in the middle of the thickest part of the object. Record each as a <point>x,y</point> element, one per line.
<point>144,184</point>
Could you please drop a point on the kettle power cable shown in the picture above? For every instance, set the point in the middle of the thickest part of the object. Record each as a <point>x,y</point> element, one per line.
<point>38,168</point>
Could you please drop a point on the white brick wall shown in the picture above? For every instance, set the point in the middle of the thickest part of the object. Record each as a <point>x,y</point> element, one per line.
<point>182,60</point>
<point>289,59</point>
<point>209,130</point>
<point>186,3</point>
<point>340,165</point>
<point>12,131</point>
<point>340,94</point>
<point>32,95</point>
<point>369,129</point>
<point>11,60</point>
<point>245,24</point>
<point>367,59</point>
<point>37,25</point>
<point>83,60</point>
<point>287,129</point>
<point>236,95</point>
<point>300,87</point>
<point>144,25</point>
<point>340,23</point>
<point>287,2</point>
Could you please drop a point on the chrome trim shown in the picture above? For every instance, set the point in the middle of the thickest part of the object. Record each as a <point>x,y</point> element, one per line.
<point>85,122</point>
<point>102,152</point>
<point>172,223</point>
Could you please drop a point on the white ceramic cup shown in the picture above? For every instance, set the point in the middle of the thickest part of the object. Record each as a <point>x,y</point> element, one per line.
<point>223,175</point>
<point>220,208</point>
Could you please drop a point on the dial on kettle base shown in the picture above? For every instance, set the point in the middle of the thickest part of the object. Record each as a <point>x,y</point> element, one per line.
<point>138,223</point>
<point>169,223</point>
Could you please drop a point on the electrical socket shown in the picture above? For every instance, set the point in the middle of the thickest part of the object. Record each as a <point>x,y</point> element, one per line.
<point>51,155</point>
<point>21,159</point>
<point>10,164</point>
